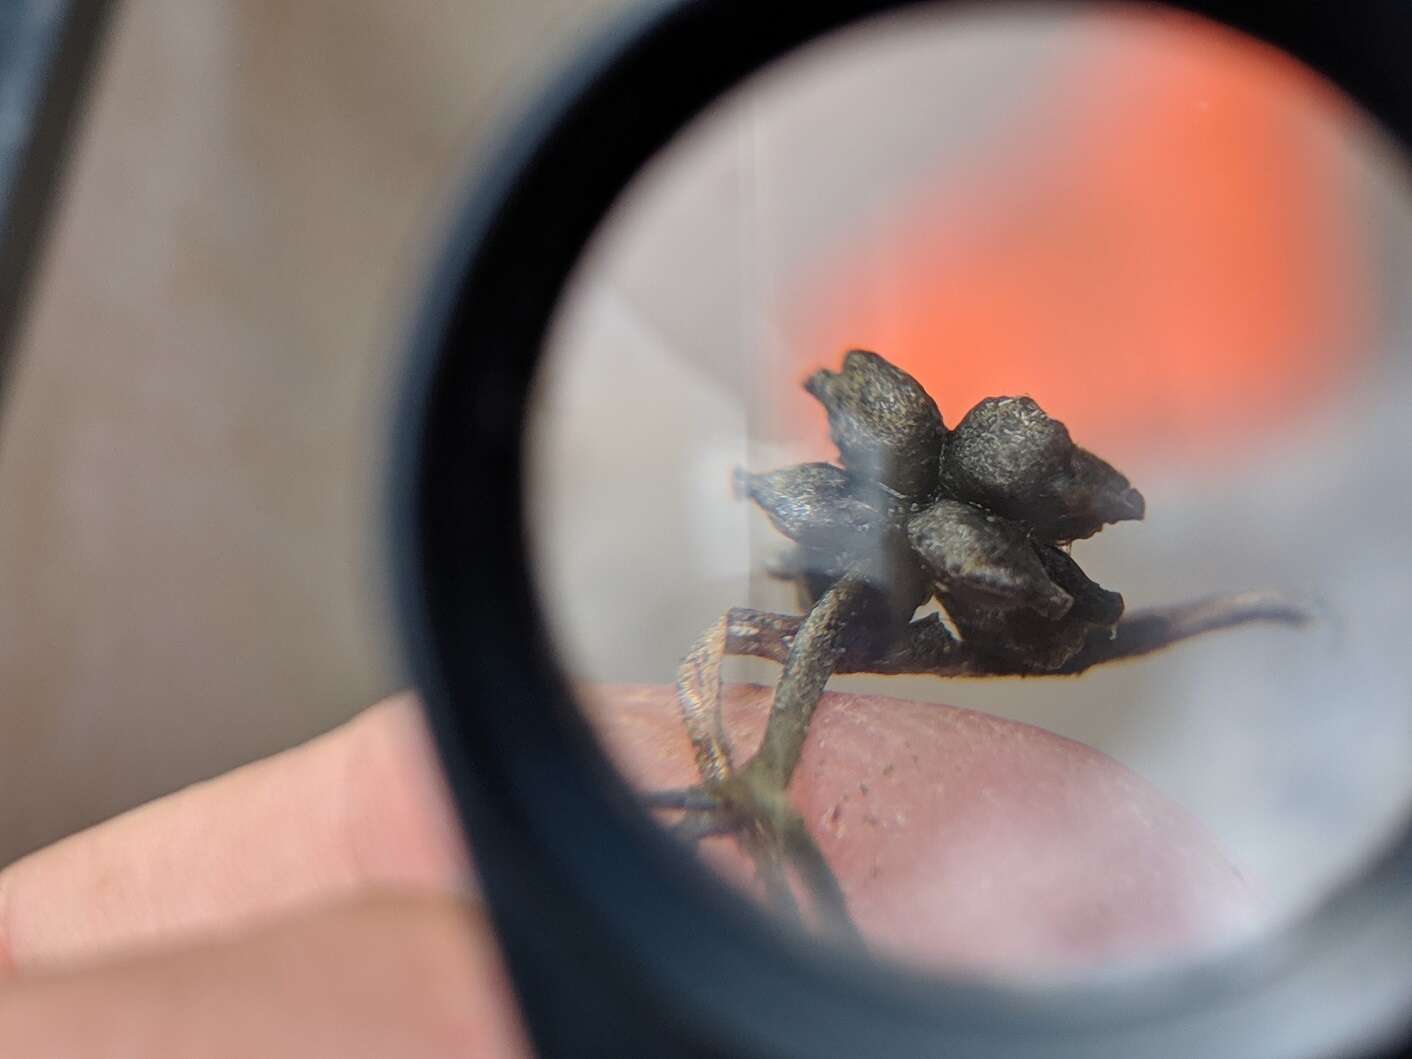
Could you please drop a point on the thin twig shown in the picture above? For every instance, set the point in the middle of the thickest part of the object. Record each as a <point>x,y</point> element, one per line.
<point>1145,631</point>
<point>822,883</point>
<point>695,826</point>
<point>927,648</point>
<point>699,698</point>
<point>770,872</point>
<point>814,653</point>
<point>684,798</point>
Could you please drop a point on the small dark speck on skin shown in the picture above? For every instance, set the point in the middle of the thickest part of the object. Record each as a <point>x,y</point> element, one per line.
<point>888,769</point>
<point>863,788</point>
<point>870,820</point>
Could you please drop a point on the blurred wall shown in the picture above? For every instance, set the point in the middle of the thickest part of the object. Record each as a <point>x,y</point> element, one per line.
<point>190,463</point>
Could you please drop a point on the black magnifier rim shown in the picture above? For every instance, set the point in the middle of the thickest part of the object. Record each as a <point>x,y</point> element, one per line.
<point>610,935</point>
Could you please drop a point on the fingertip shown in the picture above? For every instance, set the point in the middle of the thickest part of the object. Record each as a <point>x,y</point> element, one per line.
<point>398,819</point>
<point>7,962</point>
<point>967,841</point>
<point>381,975</point>
<point>360,807</point>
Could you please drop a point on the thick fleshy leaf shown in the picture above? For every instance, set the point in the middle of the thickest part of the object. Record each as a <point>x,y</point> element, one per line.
<point>1009,456</point>
<point>885,425</point>
<point>984,559</point>
<point>813,504</point>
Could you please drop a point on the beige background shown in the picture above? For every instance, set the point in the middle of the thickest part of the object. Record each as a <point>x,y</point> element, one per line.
<point>189,468</point>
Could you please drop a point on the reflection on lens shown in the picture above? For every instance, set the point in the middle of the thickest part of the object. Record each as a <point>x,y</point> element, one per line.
<point>1033,382</point>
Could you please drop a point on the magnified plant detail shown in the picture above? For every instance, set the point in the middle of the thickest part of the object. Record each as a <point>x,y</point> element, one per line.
<point>978,517</point>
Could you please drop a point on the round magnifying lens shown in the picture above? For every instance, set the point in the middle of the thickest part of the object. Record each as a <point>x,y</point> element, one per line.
<point>1038,375</point>
<point>963,489</point>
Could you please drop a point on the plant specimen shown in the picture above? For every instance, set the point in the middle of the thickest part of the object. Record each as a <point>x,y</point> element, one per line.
<point>979,517</point>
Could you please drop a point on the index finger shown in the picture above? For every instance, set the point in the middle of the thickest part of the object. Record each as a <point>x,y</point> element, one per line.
<point>360,808</point>
<point>959,838</point>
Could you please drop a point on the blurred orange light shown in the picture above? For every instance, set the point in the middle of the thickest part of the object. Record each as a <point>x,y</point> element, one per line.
<point>1166,256</point>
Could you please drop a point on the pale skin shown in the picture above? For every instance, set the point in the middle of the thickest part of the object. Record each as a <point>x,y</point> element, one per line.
<point>320,903</point>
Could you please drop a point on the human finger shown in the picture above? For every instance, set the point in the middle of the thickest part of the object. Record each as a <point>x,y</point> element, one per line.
<point>960,838</point>
<point>358,808</point>
<point>966,840</point>
<point>405,976</point>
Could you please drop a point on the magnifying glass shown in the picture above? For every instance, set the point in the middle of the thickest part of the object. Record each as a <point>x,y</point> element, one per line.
<point>901,534</point>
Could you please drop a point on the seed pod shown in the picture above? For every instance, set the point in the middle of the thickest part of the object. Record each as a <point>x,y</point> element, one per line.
<point>885,425</point>
<point>1009,456</point>
<point>984,560</point>
<point>1091,494</point>
<point>1041,644</point>
<point>1094,605</point>
<point>813,504</point>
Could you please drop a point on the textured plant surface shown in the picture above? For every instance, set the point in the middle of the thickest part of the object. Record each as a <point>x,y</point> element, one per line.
<point>979,518</point>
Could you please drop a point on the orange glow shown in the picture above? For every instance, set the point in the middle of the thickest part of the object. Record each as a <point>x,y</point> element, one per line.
<point>1167,255</point>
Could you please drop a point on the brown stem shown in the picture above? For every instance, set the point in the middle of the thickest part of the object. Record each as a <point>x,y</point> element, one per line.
<point>699,699</point>
<point>814,653</point>
<point>927,648</point>
<point>822,883</point>
<point>1145,631</point>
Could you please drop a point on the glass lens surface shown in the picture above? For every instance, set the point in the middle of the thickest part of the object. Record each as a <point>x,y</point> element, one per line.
<point>1035,379</point>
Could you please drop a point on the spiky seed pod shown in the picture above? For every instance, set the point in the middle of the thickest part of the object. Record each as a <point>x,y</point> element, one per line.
<point>1009,456</point>
<point>1020,635</point>
<point>984,559</point>
<point>887,428</point>
<point>1094,605</point>
<point>972,517</point>
<point>813,504</point>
